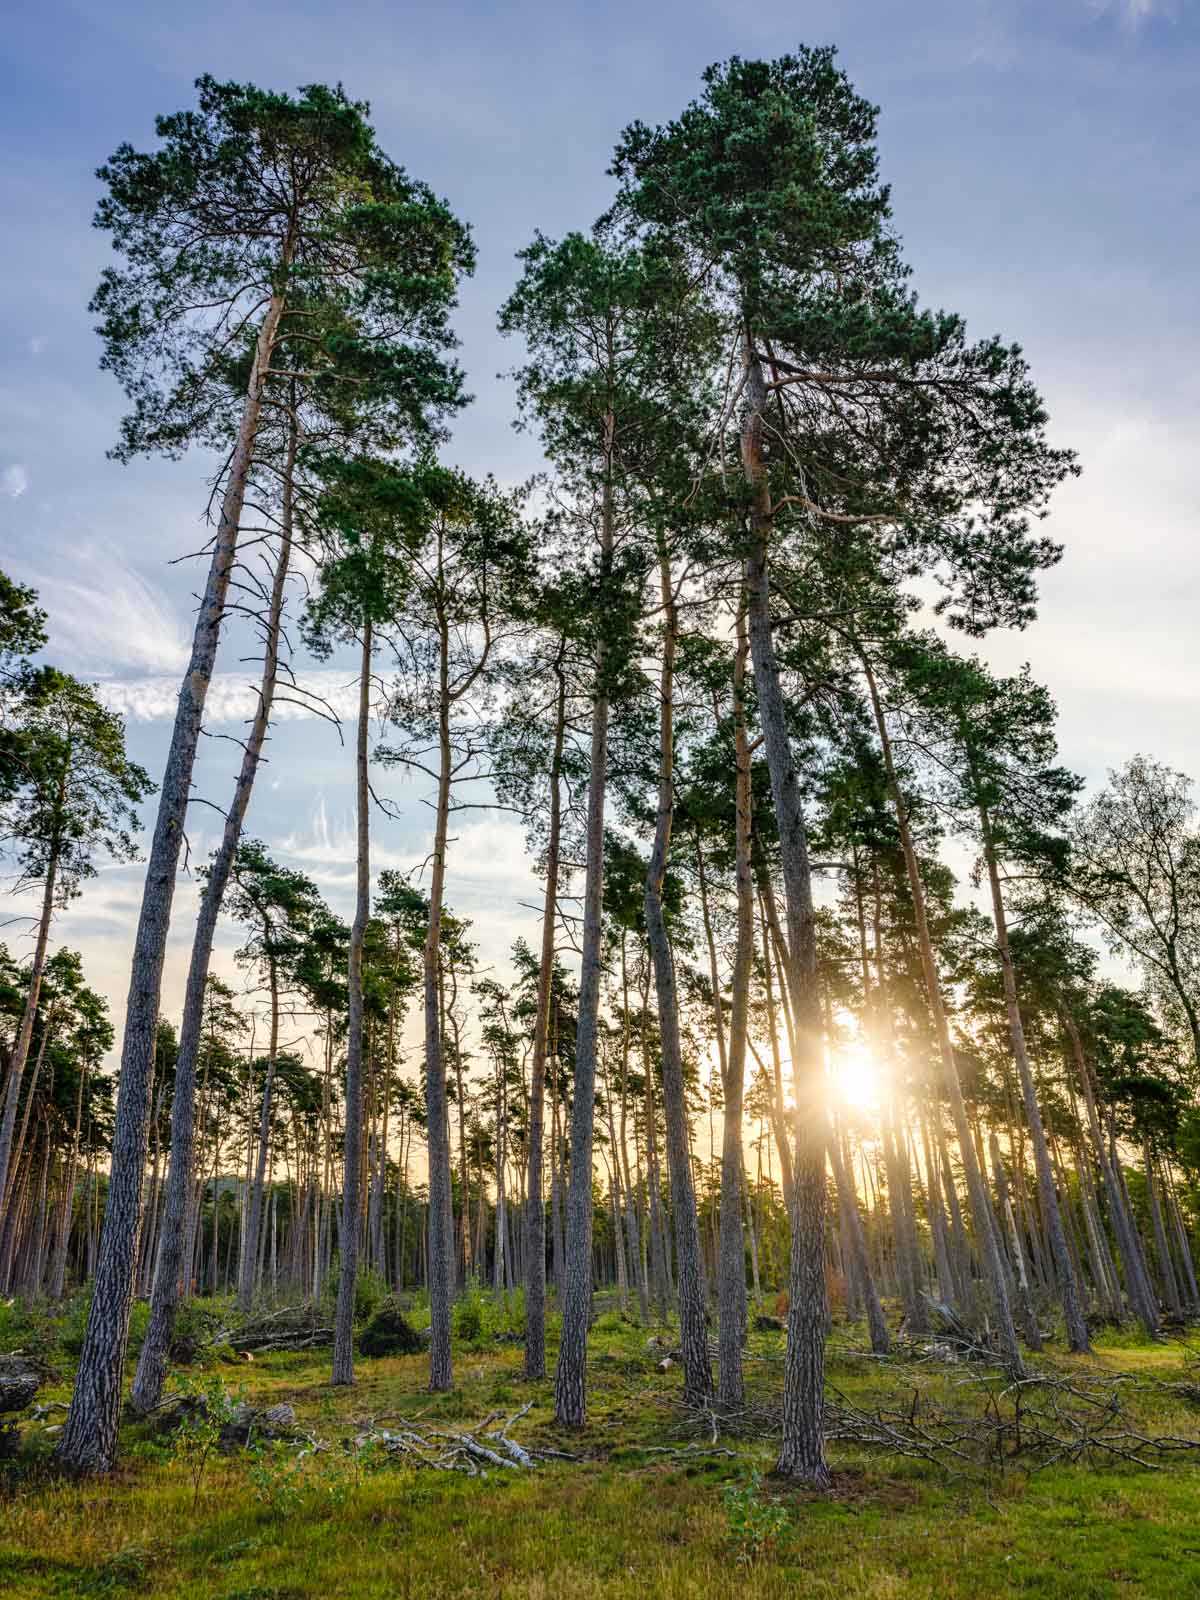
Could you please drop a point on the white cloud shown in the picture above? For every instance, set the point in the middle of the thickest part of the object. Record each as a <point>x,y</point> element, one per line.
<point>108,618</point>
<point>231,697</point>
<point>15,480</point>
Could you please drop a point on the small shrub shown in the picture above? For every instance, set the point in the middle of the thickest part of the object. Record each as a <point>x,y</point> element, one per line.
<point>210,1409</point>
<point>480,1318</point>
<point>75,1322</point>
<point>389,1332</point>
<point>757,1527</point>
<point>277,1474</point>
<point>139,1322</point>
<point>467,1317</point>
<point>765,1324</point>
<point>194,1326</point>
<point>370,1291</point>
<point>284,1478</point>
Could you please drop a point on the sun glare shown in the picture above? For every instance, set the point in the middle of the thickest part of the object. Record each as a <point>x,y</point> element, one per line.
<point>856,1076</point>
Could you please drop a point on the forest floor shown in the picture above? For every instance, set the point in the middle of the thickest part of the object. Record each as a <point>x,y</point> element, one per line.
<point>650,1506</point>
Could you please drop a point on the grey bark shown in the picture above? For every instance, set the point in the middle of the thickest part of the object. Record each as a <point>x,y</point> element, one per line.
<point>986,1238</point>
<point>693,1334</point>
<point>20,1049</point>
<point>58,1269</point>
<point>803,1450</point>
<point>1064,1271</point>
<point>254,1203</point>
<point>1137,1285</point>
<point>343,1331</point>
<point>535,1209</point>
<point>570,1378</point>
<point>731,1273</point>
<point>1166,1268</point>
<point>89,1437</point>
<point>441,1222</point>
<point>1033,1336</point>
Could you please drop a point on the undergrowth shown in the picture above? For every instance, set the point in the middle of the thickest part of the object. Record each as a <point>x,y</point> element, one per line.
<point>649,1506</point>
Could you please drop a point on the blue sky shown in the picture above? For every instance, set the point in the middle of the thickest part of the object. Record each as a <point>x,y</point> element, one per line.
<point>1045,177</point>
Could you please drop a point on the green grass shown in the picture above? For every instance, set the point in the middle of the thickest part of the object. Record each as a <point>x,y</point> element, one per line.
<point>618,1523</point>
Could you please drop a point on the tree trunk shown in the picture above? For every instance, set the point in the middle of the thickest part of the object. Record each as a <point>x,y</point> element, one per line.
<point>1182,1243</point>
<point>254,1207</point>
<point>1033,1334</point>
<point>8,1232</point>
<point>58,1271</point>
<point>1068,1287</point>
<point>693,1334</point>
<point>731,1271</point>
<point>535,1211</point>
<point>632,1193</point>
<point>855,1246</point>
<point>981,1211</point>
<point>152,1364</point>
<point>880,1030</point>
<point>89,1437</point>
<point>441,1222</point>
<point>1137,1287</point>
<point>343,1333</point>
<point>20,1049</point>
<point>803,1450</point>
<point>1166,1269</point>
<point>570,1378</point>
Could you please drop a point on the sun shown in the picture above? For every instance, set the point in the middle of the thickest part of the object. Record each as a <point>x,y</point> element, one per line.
<point>856,1076</point>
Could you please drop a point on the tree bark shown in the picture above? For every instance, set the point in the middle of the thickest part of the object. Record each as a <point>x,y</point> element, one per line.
<point>1033,1334</point>
<point>248,1278</point>
<point>880,1031</point>
<point>803,1450</point>
<point>693,1334</point>
<point>20,1049</point>
<point>986,1238</point>
<point>58,1270</point>
<point>441,1222</point>
<point>570,1378</point>
<point>731,1270</point>
<point>1137,1286</point>
<point>343,1332</point>
<point>1166,1268</point>
<point>89,1437</point>
<point>535,1210</point>
<point>1068,1287</point>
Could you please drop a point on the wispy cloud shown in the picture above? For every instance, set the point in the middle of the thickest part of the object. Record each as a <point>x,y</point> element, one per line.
<point>232,697</point>
<point>1130,13</point>
<point>484,853</point>
<point>109,618</point>
<point>15,480</point>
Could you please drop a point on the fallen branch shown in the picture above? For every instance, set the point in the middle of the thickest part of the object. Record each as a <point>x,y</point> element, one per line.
<point>445,1451</point>
<point>1028,1424</point>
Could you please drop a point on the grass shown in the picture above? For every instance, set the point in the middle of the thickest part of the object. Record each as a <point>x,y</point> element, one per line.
<point>618,1523</point>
